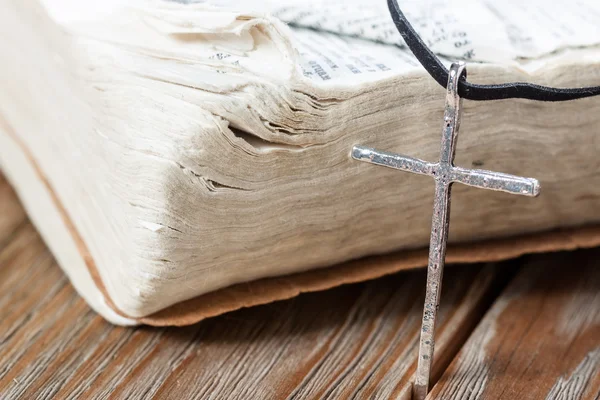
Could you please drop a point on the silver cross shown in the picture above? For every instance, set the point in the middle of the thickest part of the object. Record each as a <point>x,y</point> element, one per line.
<point>444,173</point>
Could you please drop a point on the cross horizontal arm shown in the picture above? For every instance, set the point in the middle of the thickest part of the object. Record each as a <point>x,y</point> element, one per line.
<point>391,160</point>
<point>496,181</point>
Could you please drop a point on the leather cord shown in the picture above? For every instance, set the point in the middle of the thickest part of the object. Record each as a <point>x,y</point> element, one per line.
<point>467,90</point>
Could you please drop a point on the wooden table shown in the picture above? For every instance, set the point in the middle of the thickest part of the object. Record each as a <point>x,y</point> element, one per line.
<point>526,329</point>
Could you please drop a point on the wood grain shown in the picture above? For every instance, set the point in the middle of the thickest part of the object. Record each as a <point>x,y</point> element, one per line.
<point>354,341</point>
<point>357,340</point>
<point>540,340</point>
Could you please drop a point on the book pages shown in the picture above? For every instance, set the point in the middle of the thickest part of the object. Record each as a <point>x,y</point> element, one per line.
<point>472,30</point>
<point>193,147</point>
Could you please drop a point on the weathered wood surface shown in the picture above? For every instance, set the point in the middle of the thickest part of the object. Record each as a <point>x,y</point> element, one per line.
<point>356,341</point>
<point>541,338</point>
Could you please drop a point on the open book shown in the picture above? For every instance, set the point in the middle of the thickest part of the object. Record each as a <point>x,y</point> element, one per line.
<point>167,150</point>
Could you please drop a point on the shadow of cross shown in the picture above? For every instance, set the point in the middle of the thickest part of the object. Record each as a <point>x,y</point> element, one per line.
<point>444,173</point>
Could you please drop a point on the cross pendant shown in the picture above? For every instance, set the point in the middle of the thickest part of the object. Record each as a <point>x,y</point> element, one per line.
<point>444,173</point>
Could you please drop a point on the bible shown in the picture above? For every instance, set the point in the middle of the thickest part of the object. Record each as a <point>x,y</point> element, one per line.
<point>185,159</point>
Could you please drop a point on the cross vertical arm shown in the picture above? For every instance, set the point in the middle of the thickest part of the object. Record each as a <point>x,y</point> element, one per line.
<point>435,272</point>
<point>439,232</point>
<point>452,113</point>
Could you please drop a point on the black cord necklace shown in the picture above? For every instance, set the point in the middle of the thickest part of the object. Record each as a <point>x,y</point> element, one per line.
<point>438,71</point>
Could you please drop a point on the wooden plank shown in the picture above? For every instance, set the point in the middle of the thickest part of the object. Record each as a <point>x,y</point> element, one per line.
<point>540,340</point>
<point>356,340</point>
